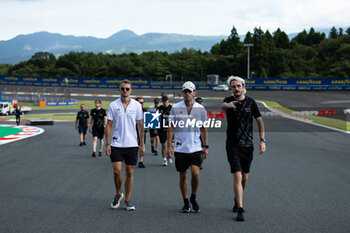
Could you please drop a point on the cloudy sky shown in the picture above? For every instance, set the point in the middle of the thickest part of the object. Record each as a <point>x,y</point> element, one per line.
<point>103,18</point>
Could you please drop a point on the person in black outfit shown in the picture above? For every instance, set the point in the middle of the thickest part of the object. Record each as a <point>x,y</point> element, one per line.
<point>18,113</point>
<point>240,111</point>
<point>142,102</point>
<point>82,119</point>
<point>164,109</point>
<point>99,120</point>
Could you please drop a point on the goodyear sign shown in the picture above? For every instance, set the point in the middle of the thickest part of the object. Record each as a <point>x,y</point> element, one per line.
<point>62,103</point>
<point>290,84</point>
<point>71,82</point>
<point>298,84</point>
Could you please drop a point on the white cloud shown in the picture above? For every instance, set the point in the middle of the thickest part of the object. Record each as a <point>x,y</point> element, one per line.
<point>200,17</point>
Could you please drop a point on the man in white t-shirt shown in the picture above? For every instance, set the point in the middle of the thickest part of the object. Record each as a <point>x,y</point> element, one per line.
<point>121,141</point>
<point>186,124</point>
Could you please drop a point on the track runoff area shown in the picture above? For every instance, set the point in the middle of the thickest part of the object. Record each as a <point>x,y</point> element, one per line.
<point>300,184</point>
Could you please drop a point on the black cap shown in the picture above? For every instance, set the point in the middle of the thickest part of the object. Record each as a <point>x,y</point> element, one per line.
<point>156,100</point>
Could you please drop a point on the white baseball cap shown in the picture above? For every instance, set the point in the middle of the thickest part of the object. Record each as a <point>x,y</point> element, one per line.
<point>189,86</point>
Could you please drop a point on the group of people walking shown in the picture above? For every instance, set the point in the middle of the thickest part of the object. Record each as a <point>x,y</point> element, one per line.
<point>125,139</point>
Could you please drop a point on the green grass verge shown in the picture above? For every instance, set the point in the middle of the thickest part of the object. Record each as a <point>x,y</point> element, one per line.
<point>335,123</point>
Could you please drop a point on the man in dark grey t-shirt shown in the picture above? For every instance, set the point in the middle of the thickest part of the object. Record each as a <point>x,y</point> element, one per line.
<point>82,119</point>
<point>240,111</point>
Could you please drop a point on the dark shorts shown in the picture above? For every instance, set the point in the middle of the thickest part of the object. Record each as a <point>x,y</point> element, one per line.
<point>152,133</point>
<point>127,154</point>
<point>163,136</point>
<point>240,158</point>
<point>98,132</point>
<point>183,160</point>
<point>82,130</point>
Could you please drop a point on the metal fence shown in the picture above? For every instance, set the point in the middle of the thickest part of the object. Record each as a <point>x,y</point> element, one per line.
<point>37,94</point>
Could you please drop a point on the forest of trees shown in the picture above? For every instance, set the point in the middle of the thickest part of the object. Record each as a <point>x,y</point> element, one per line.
<point>309,54</point>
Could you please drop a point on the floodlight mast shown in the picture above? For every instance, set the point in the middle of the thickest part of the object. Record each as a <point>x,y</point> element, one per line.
<point>248,65</point>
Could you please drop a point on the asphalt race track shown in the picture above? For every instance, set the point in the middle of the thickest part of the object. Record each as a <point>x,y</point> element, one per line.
<point>49,183</point>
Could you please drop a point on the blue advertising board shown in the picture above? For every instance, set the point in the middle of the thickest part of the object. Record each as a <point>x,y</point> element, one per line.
<point>71,82</point>
<point>290,84</point>
<point>298,84</point>
<point>62,103</point>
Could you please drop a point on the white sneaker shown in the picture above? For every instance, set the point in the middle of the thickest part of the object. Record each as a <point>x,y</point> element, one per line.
<point>170,160</point>
<point>116,201</point>
<point>165,163</point>
<point>128,206</point>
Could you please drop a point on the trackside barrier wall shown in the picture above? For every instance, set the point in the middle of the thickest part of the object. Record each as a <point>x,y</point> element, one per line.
<point>291,84</point>
<point>71,82</point>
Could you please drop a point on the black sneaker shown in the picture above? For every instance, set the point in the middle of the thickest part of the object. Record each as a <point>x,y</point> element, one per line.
<point>240,214</point>
<point>185,209</point>
<point>155,153</point>
<point>81,144</point>
<point>153,149</point>
<point>195,206</point>
<point>128,206</point>
<point>84,143</point>
<point>100,153</point>
<point>116,201</point>
<point>235,207</point>
<point>93,154</point>
<point>141,165</point>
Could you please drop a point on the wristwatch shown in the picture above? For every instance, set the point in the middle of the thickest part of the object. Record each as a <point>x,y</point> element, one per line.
<point>263,140</point>
<point>205,146</point>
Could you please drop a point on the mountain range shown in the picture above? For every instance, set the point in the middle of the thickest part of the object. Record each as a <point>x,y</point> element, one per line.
<point>22,47</point>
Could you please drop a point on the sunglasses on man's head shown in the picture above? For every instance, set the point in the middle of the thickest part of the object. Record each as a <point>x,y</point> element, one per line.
<point>187,91</point>
<point>125,89</point>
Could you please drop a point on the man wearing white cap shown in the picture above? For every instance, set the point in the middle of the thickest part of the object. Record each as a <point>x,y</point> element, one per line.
<point>185,125</point>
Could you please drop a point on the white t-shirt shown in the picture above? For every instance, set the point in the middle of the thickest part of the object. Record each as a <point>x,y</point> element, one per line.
<point>187,127</point>
<point>152,108</point>
<point>124,128</point>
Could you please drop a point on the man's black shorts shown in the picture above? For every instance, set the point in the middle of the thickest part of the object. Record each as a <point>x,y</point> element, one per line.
<point>240,158</point>
<point>82,130</point>
<point>162,135</point>
<point>127,154</point>
<point>98,132</point>
<point>152,133</point>
<point>183,160</point>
